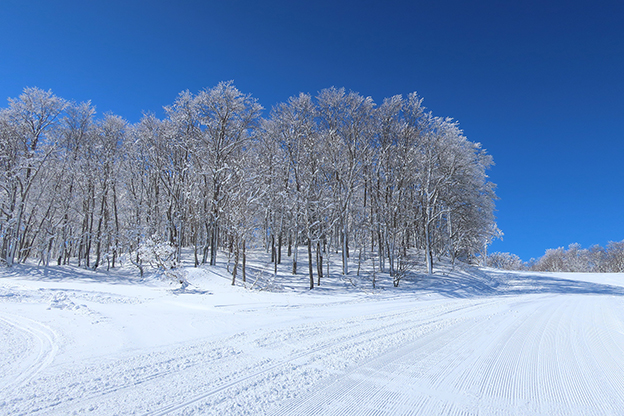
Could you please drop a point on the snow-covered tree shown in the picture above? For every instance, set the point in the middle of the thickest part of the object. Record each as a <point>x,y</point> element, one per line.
<point>332,172</point>
<point>505,261</point>
<point>27,139</point>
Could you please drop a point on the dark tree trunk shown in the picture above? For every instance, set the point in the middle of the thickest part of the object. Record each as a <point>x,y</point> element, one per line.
<point>244,263</point>
<point>236,256</point>
<point>310,263</point>
<point>319,263</point>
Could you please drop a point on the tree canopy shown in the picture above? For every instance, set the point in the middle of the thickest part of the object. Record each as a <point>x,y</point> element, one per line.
<point>331,172</point>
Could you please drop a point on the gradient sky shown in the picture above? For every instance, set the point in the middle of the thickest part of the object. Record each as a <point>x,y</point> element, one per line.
<point>539,83</point>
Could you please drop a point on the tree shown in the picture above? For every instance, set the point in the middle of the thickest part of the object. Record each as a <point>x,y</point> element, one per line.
<point>455,198</point>
<point>614,261</point>
<point>551,261</point>
<point>505,261</point>
<point>345,123</point>
<point>292,126</point>
<point>226,118</point>
<point>332,172</point>
<point>27,140</point>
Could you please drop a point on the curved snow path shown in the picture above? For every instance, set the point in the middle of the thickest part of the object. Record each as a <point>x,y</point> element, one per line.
<point>522,355</point>
<point>28,347</point>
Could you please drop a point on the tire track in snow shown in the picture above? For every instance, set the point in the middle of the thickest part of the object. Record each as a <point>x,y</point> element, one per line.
<point>536,354</point>
<point>612,342</point>
<point>86,394</point>
<point>373,383</point>
<point>553,375</point>
<point>581,395</point>
<point>90,388</point>
<point>503,375</point>
<point>601,353</point>
<point>571,382</point>
<point>299,359</point>
<point>527,361</point>
<point>537,371</point>
<point>46,350</point>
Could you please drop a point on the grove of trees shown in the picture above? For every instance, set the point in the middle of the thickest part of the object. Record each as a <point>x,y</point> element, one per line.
<point>596,259</point>
<point>328,175</point>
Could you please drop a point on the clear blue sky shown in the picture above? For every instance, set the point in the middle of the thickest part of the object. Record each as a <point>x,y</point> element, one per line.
<point>539,83</point>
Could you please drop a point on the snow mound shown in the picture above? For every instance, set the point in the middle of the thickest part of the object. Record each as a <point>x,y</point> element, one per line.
<point>61,301</point>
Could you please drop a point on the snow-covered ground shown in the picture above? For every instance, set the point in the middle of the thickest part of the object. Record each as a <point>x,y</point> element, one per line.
<point>462,342</point>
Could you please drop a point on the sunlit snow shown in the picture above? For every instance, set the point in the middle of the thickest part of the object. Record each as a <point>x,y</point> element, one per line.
<point>464,341</point>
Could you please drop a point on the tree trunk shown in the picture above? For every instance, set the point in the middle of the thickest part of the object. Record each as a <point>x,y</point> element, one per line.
<point>428,257</point>
<point>236,255</point>
<point>116,213</point>
<point>310,263</point>
<point>213,245</point>
<point>195,249</point>
<point>328,252</point>
<point>295,251</point>
<point>319,263</point>
<point>359,262</point>
<point>345,250</point>
<point>380,250</point>
<point>274,255</point>
<point>206,243</point>
<point>244,263</point>
<point>98,238</point>
<point>374,272</point>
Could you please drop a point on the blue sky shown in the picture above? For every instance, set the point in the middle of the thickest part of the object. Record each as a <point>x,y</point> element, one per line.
<point>539,83</point>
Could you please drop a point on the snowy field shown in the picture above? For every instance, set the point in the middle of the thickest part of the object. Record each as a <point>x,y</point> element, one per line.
<point>462,342</point>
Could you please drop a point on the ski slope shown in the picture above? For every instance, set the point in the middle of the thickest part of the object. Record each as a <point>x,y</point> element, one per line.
<point>461,342</point>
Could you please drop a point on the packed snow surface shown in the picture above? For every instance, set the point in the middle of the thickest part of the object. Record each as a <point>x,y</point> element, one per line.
<point>464,341</point>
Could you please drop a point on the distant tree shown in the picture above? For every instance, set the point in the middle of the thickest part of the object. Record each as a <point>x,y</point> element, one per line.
<point>162,256</point>
<point>552,261</point>
<point>505,261</point>
<point>577,259</point>
<point>614,258</point>
<point>455,199</point>
<point>75,179</point>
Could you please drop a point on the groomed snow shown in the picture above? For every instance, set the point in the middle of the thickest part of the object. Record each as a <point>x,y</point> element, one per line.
<point>464,341</point>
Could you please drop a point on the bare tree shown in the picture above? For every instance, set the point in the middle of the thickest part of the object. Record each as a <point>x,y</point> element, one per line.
<point>346,121</point>
<point>26,143</point>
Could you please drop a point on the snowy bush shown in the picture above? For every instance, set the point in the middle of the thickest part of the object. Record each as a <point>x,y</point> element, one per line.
<point>163,256</point>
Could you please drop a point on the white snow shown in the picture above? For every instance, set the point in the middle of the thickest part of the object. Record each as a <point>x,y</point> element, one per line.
<point>461,342</point>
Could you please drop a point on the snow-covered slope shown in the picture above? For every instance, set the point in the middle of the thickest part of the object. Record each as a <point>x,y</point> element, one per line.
<point>461,342</point>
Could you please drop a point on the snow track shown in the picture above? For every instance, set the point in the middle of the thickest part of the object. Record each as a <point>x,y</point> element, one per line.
<point>333,346</point>
<point>554,353</point>
<point>256,362</point>
<point>545,356</point>
<point>28,348</point>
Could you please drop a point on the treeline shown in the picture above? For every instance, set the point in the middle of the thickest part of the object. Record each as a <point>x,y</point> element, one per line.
<point>330,173</point>
<point>595,259</point>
